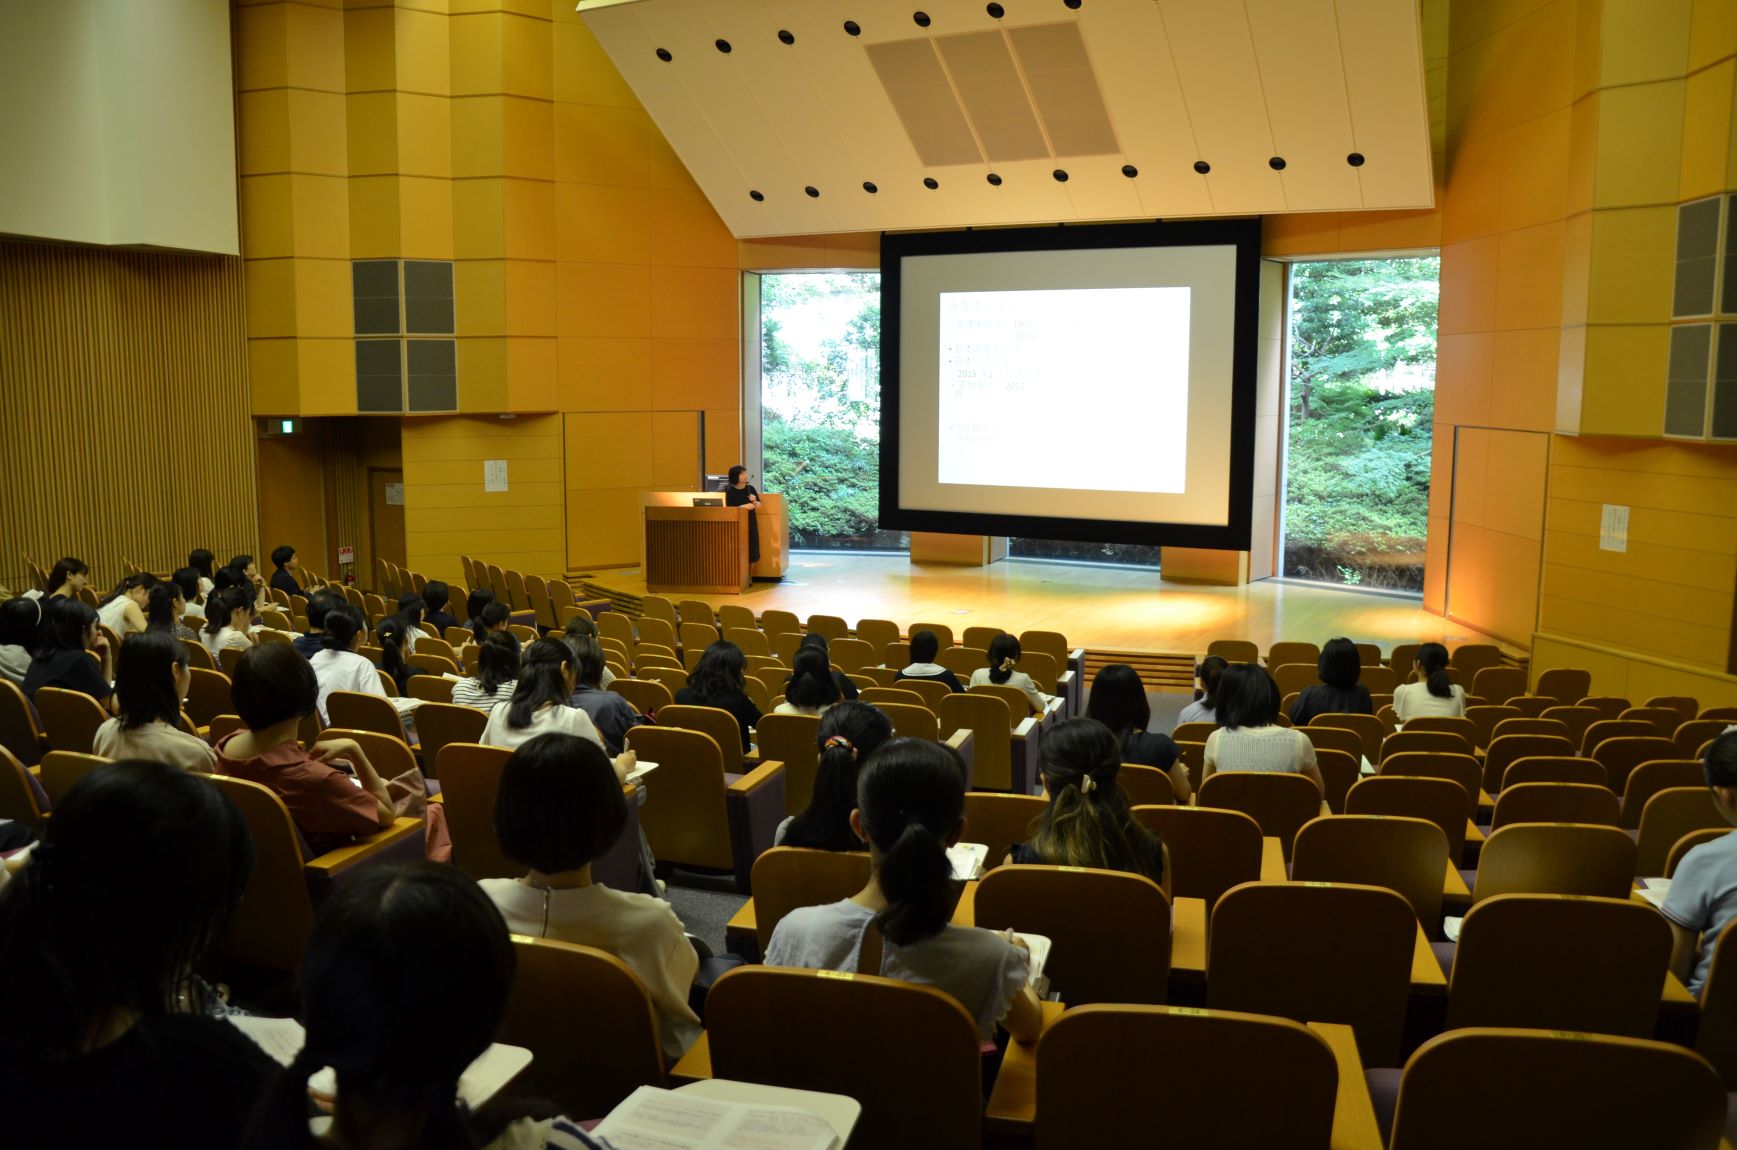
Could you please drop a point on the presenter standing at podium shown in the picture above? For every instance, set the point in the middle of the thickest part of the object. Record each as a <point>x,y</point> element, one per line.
<point>741,493</point>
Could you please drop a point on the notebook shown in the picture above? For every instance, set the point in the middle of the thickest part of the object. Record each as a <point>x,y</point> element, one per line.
<point>640,769</point>
<point>1040,945</point>
<point>750,1118</point>
<point>967,860</point>
<point>1653,890</point>
<point>282,1038</point>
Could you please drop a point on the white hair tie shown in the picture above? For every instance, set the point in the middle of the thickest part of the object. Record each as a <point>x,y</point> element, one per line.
<point>1087,785</point>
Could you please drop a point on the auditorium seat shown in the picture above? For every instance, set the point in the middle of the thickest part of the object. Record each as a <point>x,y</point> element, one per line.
<point>1145,786</point>
<point>672,678</point>
<point>1556,858</point>
<point>758,692</point>
<point>1110,929</point>
<point>1554,769</point>
<point>776,623</point>
<point>1000,820</point>
<point>21,799</point>
<point>1685,706</point>
<point>1537,1088</point>
<point>1210,850</point>
<point>1465,729</point>
<point>1470,658</point>
<point>943,633</point>
<point>1286,653</point>
<point>1194,732</point>
<point>1499,684</point>
<point>1280,803</point>
<point>830,627</point>
<point>19,731</point>
<point>1668,816</point>
<point>877,633</point>
<point>69,718</point>
<point>911,722</point>
<point>1664,720</point>
<point>1003,757</point>
<point>1316,952</point>
<point>703,814</point>
<point>1425,741</point>
<point>852,655</point>
<point>1694,734</point>
<point>794,741</point>
<point>1440,801</point>
<point>695,638</point>
<point>1018,706</point>
<point>660,608</point>
<point>1408,856</point>
<point>430,689</point>
<point>1621,754</point>
<point>1294,678</point>
<point>660,631</point>
<point>786,878</point>
<point>1340,771</point>
<point>363,712</point>
<point>470,778</point>
<point>1556,803</point>
<point>933,691</point>
<point>1234,650</point>
<point>696,611</point>
<point>1559,962</point>
<point>1461,768</point>
<point>438,724</point>
<point>61,770</point>
<point>1369,728</point>
<point>963,660</point>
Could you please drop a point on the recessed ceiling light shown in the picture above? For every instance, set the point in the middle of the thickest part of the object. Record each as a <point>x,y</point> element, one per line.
<point>996,11</point>
<point>922,19</point>
<point>931,183</point>
<point>722,46</point>
<point>756,196</point>
<point>1202,167</point>
<point>785,36</point>
<point>663,54</point>
<point>994,180</point>
<point>813,192</point>
<point>1061,175</point>
<point>1355,159</point>
<point>869,187</point>
<point>1277,163</point>
<point>1130,170</point>
<point>852,28</point>
<point>1074,4</point>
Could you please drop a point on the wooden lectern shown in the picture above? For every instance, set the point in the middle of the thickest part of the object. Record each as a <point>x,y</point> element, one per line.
<point>696,549</point>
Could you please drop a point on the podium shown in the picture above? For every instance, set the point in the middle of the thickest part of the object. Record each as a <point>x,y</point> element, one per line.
<point>696,549</point>
<point>774,524</point>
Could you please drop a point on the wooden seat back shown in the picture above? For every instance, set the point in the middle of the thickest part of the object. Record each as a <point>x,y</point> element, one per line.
<point>363,712</point>
<point>672,678</point>
<point>752,640</point>
<point>963,660</point>
<point>1405,855</point>
<point>20,799</point>
<point>1369,728</point>
<point>1425,741</point>
<point>430,689</point>
<point>1018,706</point>
<point>786,878</point>
<point>1560,962</point>
<point>943,632</point>
<point>696,611</point>
<point>470,780</point>
<point>934,691</point>
<point>1145,786</point>
<point>793,740</point>
<point>1280,803</point>
<point>1486,719</point>
<point>1694,734</point>
<point>1603,729</point>
<point>438,724</point>
<point>992,745</point>
<point>913,722</point>
<point>61,771</point>
<point>687,822</point>
<point>1210,850</point>
<point>1538,1088</point>
<point>1051,643</point>
<point>980,636</point>
<point>1554,769</point>
<point>1321,738</point>
<point>1234,650</point>
<point>652,629</point>
<point>19,731</point>
<point>1576,719</point>
<point>877,633</point>
<point>1339,773</point>
<point>912,1050</point>
<point>1470,658</point>
<point>1321,952</point>
<point>1689,842</point>
<point>1000,820</point>
<point>1461,768</point>
<point>852,655</point>
<point>1664,720</point>
<point>1621,754</point>
<point>660,608</point>
<point>270,925</point>
<point>1293,678</point>
<point>1286,653</point>
<point>1668,816</point>
<point>1499,684</point>
<point>736,615</point>
<point>1716,1038</point>
<point>1200,732</point>
<point>1556,858</point>
<point>720,725</point>
<point>1440,801</point>
<point>1100,955</point>
<point>1567,685</point>
<point>645,695</point>
<point>69,718</point>
<point>1286,1098</point>
<point>1556,803</point>
<point>830,626</point>
<point>775,622</point>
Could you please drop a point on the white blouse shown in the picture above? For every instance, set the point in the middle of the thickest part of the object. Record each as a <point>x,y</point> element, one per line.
<point>343,671</point>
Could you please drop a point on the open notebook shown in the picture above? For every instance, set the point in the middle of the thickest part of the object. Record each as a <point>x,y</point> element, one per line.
<point>729,1116</point>
<point>968,860</point>
<point>281,1038</point>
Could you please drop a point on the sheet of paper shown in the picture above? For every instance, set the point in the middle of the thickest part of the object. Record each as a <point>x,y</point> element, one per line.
<point>1653,890</point>
<point>967,860</point>
<point>1040,945</point>
<point>640,770</point>
<point>655,1119</point>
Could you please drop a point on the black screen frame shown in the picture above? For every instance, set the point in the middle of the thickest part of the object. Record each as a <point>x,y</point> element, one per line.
<point>1241,233</point>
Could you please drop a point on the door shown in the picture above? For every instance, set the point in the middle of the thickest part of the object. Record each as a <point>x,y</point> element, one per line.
<point>385,521</point>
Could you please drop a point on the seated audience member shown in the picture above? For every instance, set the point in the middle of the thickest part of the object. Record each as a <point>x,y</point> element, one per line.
<point>151,680</point>
<point>435,596</point>
<point>337,665</point>
<point>68,577</point>
<point>1205,706</point>
<point>20,620</point>
<point>560,808</point>
<point>202,561</point>
<point>478,598</point>
<point>846,688</point>
<point>286,569</point>
<point>243,574</point>
<point>274,690</point>
<point>910,809</point>
<point>717,680</point>
<point>492,617</point>
<point>1702,900</point>
<point>166,611</point>
<point>1088,822</point>
<point>925,649</point>
<point>497,673</point>
<point>1431,693</point>
<point>383,1006</point>
<point>320,604</point>
<point>123,611</point>
<point>582,627</point>
<point>67,636</point>
<point>849,733</point>
<point>613,714</point>
<point>1004,654</point>
<point>192,597</point>
<point>1338,692</point>
<point>228,621</point>
<point>810,689</point>
<point>106,1033</point>
<point>539,705</point>
<point>1248,737</point>
<point>412,610</point>
<point>1118,700</point>
<point>394,638</point>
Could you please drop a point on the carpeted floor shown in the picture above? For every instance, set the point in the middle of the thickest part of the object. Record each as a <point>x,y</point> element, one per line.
<point>705,904</point>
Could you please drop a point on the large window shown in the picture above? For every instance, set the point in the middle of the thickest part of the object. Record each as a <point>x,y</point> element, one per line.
<point>820,395</point>
<point>1361,404</point>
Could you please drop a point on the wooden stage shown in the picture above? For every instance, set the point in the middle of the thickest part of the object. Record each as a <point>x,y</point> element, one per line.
<point>1100,608</point>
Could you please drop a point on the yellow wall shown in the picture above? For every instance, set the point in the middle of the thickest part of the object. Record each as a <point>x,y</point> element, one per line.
<point>446,511</point>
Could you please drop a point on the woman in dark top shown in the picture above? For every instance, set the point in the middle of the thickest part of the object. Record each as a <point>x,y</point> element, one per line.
<point>717,681</point>
<point>741,493</point>
<point>846,688</point>
<point>1118,700</point>
<point>1087,822</point>
<point>849,734</point>
<point>69,634</point>
<point>1338,692</point>
<point>104,1030</point>
<point>435,596</point>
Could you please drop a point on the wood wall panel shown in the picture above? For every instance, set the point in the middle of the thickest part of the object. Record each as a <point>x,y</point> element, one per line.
<point>127,433</point>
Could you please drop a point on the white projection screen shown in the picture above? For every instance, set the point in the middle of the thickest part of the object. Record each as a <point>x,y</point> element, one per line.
<point>1085,383</point>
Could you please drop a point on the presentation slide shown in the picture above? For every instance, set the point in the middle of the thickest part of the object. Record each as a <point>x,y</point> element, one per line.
<point>1122,350</point>
<point>1092,384</point>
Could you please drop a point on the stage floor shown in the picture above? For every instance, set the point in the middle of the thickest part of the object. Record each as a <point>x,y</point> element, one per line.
<point>1106,608</point>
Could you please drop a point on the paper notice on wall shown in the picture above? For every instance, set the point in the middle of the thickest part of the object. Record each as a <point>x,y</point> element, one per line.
<point>494,475</point>
<point>1613,528</point>
<point>346,554</point>
<point>395,495</point>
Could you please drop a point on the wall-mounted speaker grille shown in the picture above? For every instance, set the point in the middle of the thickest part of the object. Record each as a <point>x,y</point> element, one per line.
<point>997,96</point>
<point>394,299</point>
<point>1729,304</point>
<point>1725,382</point>
<point>1697,258</point>
<point>1686,380</point>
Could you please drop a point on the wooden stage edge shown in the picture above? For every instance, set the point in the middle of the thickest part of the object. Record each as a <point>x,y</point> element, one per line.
<point>1112,609</point>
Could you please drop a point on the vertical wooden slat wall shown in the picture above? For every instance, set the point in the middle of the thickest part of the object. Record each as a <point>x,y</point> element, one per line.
<point>125,428</point>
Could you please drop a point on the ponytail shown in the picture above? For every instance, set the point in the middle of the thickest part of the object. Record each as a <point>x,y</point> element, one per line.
<point>1003,654</point>
<point>911,799</point>
<point>811,683</point>
<point>1211,673</point>
<point>542,679</point>
<point>222,606</point>
<point>1432,661</point>
<point>492,615</point>
<point>1088,822</point>
<point>160,612</point>
<point>917,879</point>
<point>849,733</point>
<point>391,633</point>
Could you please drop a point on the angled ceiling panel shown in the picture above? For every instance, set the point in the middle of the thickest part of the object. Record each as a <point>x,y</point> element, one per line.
<point>1123,97</point>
